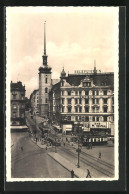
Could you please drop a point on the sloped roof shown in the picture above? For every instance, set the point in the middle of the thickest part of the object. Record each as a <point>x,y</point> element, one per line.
<point>98,79</point>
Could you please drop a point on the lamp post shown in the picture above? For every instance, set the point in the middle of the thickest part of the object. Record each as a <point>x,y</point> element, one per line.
<point>78,149</point>
<point>55,142</point>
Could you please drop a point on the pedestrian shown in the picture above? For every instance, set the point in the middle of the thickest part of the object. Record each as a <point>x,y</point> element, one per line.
<point>46,147</point>
<point>91,145</point>
<point>88,174</point>
<point>64,144</point>
<point>21,148</point>
<point>100,155</point>
<point>72,174</point>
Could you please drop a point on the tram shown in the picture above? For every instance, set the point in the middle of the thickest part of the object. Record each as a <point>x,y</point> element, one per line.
<point>94,140</point>
<point>54,141</point>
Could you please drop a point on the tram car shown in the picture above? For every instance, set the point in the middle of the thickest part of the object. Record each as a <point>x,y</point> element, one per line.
<point>94,140</point>
<point>54,141</point>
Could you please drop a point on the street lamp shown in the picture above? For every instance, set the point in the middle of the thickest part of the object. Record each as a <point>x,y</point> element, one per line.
<point>55,142</point>
<point>78,149</point>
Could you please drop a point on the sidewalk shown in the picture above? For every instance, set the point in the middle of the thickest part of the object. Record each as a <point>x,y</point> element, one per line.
<point>78,172</point>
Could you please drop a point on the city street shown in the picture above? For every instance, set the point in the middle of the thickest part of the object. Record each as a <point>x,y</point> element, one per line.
<point>33,161</point>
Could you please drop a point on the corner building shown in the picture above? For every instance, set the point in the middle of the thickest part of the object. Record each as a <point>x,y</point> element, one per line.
<point>17,104</point>
<point>85,98</point>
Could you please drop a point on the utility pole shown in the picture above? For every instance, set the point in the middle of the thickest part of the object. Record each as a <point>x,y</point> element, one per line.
<point>78,165</point>
<point>78,150</point>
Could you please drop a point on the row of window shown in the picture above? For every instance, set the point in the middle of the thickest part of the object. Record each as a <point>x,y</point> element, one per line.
<point>14,106</point>
<point>86,118</point>
<point>79,101</point>
<point>14,115</point>
<point>79,109</point>
<point>22,96</point>
<point>95,92</point>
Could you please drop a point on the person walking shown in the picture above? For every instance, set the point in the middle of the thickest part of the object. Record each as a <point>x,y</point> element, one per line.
<point>21,148</point>
<point>88,174</point>
<point>100,155</point>
<point>72,174</point>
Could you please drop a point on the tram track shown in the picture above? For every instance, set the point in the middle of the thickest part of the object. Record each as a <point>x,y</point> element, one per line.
<point>98,160</point>
<point>92,163</point>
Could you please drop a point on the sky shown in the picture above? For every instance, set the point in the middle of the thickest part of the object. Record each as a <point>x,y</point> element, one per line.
<point>75,37</point>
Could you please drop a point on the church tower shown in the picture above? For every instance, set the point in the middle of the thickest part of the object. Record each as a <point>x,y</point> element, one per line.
<point>44,82</point>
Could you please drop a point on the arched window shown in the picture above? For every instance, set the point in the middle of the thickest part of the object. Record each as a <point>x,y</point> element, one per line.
<point>46,80</point>
<point>46,90</point>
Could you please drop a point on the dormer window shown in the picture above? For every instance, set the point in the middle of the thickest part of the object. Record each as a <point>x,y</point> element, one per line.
<point>86,84</point>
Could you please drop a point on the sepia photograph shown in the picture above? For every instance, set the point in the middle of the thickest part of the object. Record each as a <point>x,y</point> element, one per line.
<point>62,88</point>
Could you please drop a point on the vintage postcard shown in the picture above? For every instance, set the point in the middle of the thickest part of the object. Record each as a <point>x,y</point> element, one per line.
<point>62,78</point>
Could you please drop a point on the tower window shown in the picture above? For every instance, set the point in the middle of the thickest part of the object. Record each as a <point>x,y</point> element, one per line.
<point>46,90</point>
<point>46,80</point>
<point>46,100</point>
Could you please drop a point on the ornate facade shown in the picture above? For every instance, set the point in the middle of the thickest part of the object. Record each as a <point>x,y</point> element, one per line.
<point>87,99</point>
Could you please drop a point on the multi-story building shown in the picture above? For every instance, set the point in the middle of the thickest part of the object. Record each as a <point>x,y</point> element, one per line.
<point>85,98</point>
<point>17,104</point>
<point>34,100</point>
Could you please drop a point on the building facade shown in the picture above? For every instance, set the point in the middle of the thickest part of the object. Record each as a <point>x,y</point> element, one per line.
<point>85,98</point>
<point>34,100</point>
<point>17,104</point>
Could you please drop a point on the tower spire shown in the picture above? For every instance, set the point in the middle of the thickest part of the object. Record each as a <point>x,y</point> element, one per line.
<point>44,55</point>
<point>45,38</point>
